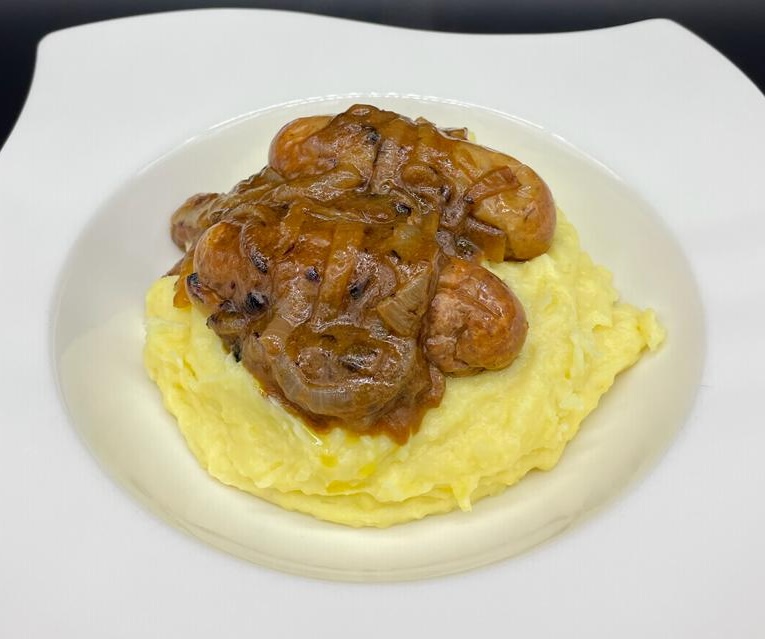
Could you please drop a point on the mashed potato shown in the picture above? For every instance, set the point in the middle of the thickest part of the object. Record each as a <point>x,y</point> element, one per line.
<point>489,431</point>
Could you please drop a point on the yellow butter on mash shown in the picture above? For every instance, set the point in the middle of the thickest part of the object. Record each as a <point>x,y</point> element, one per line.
<point>488,432</point>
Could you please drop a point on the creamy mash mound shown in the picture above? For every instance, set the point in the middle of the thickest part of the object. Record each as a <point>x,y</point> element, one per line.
<point>489,431</point>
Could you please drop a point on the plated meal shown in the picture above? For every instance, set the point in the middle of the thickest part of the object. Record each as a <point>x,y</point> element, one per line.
<point>387,321</point>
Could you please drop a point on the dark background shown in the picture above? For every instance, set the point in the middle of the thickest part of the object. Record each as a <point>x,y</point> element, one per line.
<point>736,28</point>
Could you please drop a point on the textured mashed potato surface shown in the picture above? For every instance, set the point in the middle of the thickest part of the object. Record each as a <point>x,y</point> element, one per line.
<point>488,432</point>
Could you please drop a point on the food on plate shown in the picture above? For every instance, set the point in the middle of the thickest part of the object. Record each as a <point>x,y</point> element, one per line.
<point>347,274</point>
<point>383,323</point>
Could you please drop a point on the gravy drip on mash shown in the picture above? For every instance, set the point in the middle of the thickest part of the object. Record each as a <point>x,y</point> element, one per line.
<point>346,274</point>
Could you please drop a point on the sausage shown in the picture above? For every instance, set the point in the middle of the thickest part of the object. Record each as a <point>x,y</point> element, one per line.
<point>192,218</point>
<point>441,166</point>
<point>474,322</point>
<point>224,272</point>
<point>522,207</point>
<point>288,153</point>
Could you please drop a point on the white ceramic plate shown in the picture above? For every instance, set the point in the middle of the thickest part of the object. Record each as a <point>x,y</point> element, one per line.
<point>676,122</point>
<point>127,244</point>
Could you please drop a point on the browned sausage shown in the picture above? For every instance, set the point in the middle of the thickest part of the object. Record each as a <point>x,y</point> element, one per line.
<point>474,321</point>
<point>388,149</point>
<point>516,201</point>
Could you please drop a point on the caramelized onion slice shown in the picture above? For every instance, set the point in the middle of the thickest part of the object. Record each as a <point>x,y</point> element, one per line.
<point>402,312</point>
<point>341,262</point>
<point>320,188</point>
<point>491,240</point>
<point>343,371</point>
<point>492,183</point>
<point>460,133</point>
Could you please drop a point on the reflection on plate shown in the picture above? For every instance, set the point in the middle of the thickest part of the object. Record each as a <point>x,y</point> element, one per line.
<point>127,245</point>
